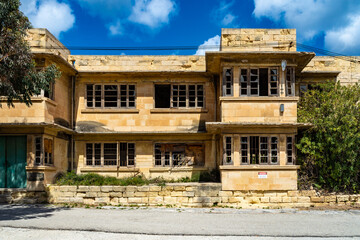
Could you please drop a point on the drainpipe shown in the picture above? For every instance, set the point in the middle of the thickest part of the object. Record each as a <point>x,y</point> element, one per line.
<point>73,79</point>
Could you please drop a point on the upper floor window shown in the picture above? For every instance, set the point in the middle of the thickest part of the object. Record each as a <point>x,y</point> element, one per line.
<point>179,96</point>
<point>110,154</point>
<point>110,96</point>
<point>290,81</point>
<point>228,82</point>
<point>44,151</point>
<point>259,81</point>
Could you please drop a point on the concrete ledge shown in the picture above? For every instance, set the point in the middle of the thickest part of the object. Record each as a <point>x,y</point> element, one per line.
<point>179,110</point>
<point>259,167</point>
<point>177,169</point>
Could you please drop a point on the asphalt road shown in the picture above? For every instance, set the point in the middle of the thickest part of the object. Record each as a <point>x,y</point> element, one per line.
<point>50,222</point>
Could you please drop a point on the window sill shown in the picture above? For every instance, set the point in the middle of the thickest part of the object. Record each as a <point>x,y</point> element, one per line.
<point>109,169</point>
<point>109,110</point>
<point>40,168</point>
<point>179,110</point>
<point>177,169</point>
<point>260,167</point>
<point>269,98</point>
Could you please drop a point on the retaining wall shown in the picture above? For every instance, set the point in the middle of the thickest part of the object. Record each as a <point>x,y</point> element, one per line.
<point>194,195</point>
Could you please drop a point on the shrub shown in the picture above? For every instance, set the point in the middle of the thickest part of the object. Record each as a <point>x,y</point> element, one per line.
<point>329,151</point>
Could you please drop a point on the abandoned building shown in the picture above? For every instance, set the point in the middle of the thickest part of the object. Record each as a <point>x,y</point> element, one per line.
<point>168,116</point>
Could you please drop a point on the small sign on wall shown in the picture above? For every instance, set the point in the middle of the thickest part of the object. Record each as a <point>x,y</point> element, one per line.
<point>262,174</point>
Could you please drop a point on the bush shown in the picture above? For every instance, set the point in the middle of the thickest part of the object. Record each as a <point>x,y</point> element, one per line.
<point>329,151</point>
<point>93,179</point>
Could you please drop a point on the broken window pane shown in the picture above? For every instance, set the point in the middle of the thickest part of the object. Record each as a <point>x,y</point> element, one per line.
<point>89,95</point>
<point>274,81</point>
<point>290,81</point>
<point>110,95</point>
<point>243,82</point>
<point>228,82</point>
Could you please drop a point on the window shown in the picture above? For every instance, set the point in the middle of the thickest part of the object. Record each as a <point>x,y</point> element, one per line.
<point>228,82</point>
<point>258,150</point>
<point>178,154</point>
<point>110,96</point>
<point>290,81</point>
<point>44,151</point>
<point>179,96</point>
<point>259,81</point>
<point>290,150</point>
<point>228,150</point>
<point>50,93</point>
<point>110,154</point>
<point>48,151</point>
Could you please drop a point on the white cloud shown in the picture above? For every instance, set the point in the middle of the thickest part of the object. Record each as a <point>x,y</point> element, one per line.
<point>223,15</point>
<point>116,28</point>
<point>314,18</point>
<point>345,40</point>
<point>55,16</point>
<point>152,13</point>
<point>212,44</point>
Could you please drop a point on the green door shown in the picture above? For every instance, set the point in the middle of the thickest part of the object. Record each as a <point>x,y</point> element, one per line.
<point>2,162</point>
<point>13,148</point>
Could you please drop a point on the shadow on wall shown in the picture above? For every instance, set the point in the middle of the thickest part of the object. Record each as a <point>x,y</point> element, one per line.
<point>25,212</point>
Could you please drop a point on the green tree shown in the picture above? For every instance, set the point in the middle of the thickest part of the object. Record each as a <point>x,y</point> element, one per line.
<point>19,78</point>
<point>330,150</point>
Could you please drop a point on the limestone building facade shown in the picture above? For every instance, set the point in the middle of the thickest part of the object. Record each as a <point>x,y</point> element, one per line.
<point>170,116</point>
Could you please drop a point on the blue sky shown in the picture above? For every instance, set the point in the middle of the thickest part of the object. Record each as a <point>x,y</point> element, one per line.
<point>333,25</point>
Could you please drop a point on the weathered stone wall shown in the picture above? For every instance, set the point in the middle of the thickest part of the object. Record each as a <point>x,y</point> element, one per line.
<point>42,41</point>
<point>144,63</point>
<point>194,195</point>
<point>349,71</point>
<point>21,196</point>
<point>246,39</point>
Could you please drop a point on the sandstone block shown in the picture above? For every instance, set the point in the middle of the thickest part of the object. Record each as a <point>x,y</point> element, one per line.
<point>103,194</point>
<point>143,189</point>
<point>140,194</point>
<point>317,199</point>
<point>134,200</point>
<point>303,199</point>
<point>91,194</point>
<point>331,198</point>
<point>342,198</point>
<point>235,199</point>
<point>119,188</point>
<point>169,200</point>
<point>102,200</point>
<point>156,200</point>
<point>265,199</point>
<point>83,188</point>
<point>129,194</point>
<point>202,199</point>
<point>106,188</point>
<point>167,188</point>
<point>155,188</point>
<point>292,193</point>
<point>225,193</point>
<point>188,194</point>
<point>286,199</point>
<point>94,188</point>
<point>179,188</point>
<point>115,194</point>
<point>176,194</point>
<point>275,199</point>
<point>114,201</point>
<point>131,188</point>
<point>89,201</point>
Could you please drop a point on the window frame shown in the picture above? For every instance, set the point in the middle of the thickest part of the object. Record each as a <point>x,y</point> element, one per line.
<point>248,81</point>
<point>102,160</point>
<point>187,96</point>
<point>269,153</point>
<point>225,155</point>
<point>291,81</point>
<point>224,88</point>
<point>42,151</point>
<point>293,150</point>
<point>118,95</point>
